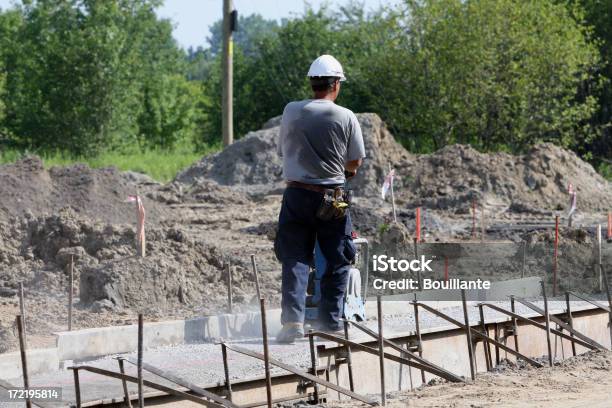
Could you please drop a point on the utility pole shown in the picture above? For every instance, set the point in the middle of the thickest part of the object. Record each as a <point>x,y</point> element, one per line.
<point>229,25</point>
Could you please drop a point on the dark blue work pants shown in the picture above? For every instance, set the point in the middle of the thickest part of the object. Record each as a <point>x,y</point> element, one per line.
<point>298,229</point>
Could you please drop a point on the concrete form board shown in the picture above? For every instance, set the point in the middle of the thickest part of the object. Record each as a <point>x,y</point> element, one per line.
<point>39,361</point>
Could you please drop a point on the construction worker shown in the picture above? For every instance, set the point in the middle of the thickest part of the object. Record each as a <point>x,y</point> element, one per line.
<point>321,144</point>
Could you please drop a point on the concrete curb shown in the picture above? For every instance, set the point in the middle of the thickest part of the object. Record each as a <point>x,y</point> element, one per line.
<point>86,344</point>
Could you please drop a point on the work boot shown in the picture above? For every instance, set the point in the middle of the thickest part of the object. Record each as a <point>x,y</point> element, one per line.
<point>290,332</point>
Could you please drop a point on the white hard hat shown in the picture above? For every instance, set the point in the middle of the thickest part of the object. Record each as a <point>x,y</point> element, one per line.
<point>326,66</point>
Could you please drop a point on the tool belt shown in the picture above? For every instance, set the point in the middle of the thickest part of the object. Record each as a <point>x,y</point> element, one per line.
<point>335,200</point>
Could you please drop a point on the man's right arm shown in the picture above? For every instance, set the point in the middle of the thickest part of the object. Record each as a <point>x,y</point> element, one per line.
<point>355,149</point>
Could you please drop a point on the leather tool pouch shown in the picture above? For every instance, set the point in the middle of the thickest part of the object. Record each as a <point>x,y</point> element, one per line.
<point>334,204</point>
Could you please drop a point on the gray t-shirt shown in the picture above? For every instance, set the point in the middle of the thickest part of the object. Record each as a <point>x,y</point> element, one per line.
<point>317,137</point>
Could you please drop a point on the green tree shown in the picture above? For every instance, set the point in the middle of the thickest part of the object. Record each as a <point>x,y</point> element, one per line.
<point>499,74</point>
<point>88,75</point>
<point>598,15</point>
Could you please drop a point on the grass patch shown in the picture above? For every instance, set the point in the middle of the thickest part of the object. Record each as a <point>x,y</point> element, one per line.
<point>162,165</point>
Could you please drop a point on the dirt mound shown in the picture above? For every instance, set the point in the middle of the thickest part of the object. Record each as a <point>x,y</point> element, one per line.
<point>178,270</point>
<point>449,179</point>
<point>253,162</point>
<point>455,175</point>
<point>98,193</point>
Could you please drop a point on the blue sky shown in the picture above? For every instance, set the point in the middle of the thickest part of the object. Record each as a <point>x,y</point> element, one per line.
<point>193,17</point>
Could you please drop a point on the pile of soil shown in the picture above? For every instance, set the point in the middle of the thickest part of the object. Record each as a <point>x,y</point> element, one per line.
<point>449,179</point>
<point>178,270</point>
<point>452,177</point>
<point>26,186</point>
<point>253,162</point>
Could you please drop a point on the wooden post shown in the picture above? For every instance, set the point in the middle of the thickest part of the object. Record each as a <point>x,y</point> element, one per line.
<point>70,290</point>
<point>609,225</point>
<point>228,76</point>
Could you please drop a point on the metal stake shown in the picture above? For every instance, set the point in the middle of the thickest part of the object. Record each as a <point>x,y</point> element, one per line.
<point>349,358</point>
<point>264,330</point>
<point>228,383</point>
<point>230,302</point>
<point>256,276</point>
<point>24,363</point>
<point>313,367</point>
<point>381,349</point>
<point>486,345</point>
<point>468,333</point>
<point>496,338</point>
<point>77,387</point>
<point>418,333</point>
<point>556,256</point>
<point>570,320</point>
<point>514,324</point>
<point>547,317</point>
<point>416,255</point>
<point>524,259</point>
<point>126,394</point>
<point>140,347</point>
<point>598,243</point>
<point>70,289</point>
<point>482,224</point>
<point>22,311</point>
<point>604,275</point>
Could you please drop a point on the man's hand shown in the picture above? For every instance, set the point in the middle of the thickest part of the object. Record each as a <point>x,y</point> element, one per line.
<point>349,174</point>
<point>352,166</point>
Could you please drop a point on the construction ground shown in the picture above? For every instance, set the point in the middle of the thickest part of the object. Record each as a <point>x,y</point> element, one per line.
<point>489,216</point>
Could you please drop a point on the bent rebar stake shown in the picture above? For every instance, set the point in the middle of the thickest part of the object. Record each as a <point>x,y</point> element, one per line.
<point>301,373</point>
